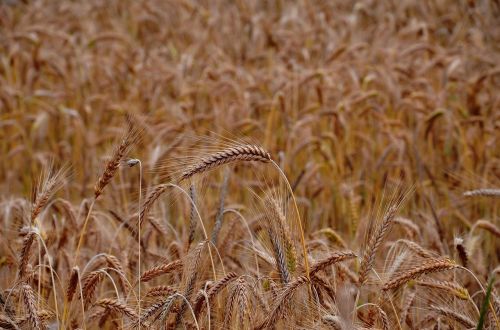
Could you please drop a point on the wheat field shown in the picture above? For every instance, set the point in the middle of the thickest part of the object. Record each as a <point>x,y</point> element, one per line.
<point>197,164</point>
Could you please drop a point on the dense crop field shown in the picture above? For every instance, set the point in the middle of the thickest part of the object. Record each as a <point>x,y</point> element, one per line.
<point>186,164</point>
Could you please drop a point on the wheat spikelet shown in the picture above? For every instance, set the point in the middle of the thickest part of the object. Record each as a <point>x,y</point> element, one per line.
<point>374,243</point>
<point>117,306</point>
<point>427,267</point>
<point>114,163</point>
<point>72,284</point>
<point>149,274</point>
<point>455,316</point>
<point>246,152</point>
<point>451,287</point>
<point>483,192</point>
<point>331,260</point>
<point>26,253</point>
<point>30,305</point>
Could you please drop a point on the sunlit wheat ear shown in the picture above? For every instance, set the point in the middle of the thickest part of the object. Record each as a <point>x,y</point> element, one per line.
<point>332,322</point>
<point>431,266</point>
<point>246,152</point>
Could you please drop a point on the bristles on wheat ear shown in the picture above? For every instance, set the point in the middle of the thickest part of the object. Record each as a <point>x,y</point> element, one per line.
<point>245,152</point>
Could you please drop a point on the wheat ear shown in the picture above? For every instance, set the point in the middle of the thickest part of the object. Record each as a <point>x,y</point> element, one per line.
<point>246,152</point>
<point>427,267</point>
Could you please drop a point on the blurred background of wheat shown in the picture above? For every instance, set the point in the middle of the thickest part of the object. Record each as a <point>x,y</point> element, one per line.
<point>347,97</point>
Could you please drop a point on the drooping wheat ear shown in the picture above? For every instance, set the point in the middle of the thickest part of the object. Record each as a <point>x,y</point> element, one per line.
<point>282,302</point>
<point>332,322</point>
<point>149,274</point>
<point>246,152</point>
<point>118,306</point>
<point>30,305</point>
<point>213,291</point>
<point>113,164</point>
<point>374,243</point>
<point>455,316</point>
<point>427,267</point>
<point>462,253</point>
<point>278,218</point>
<point>488,226</point>
<point>483,192</point>
<point>160,291</point>
<point>90,282</point>
<point>331,260</point>
<point>451,287</point>
<point>150,199</point>
<point>72,283</point>
<point>26,252</point>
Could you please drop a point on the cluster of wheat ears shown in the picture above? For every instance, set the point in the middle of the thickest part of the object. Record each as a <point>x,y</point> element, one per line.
<point>274,164</point>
